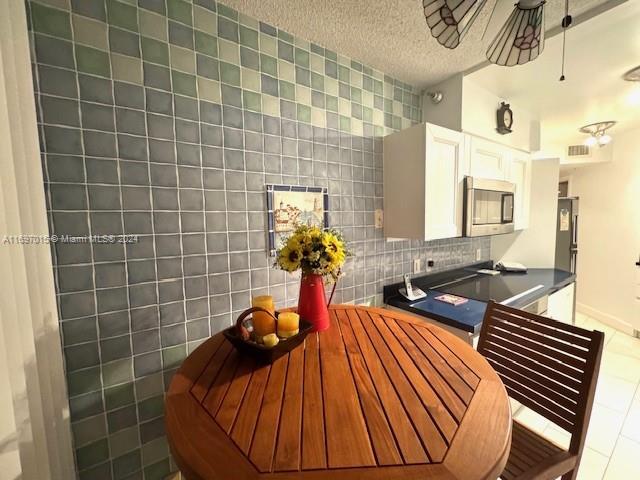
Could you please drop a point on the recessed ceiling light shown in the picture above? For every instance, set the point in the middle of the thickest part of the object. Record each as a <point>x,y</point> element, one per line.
<point>632,75</point>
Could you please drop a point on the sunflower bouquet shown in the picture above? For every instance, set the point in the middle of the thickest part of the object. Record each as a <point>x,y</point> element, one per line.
<point>314,251</point>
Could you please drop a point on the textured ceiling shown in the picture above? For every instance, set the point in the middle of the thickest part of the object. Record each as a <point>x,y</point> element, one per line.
<point>391,35</point>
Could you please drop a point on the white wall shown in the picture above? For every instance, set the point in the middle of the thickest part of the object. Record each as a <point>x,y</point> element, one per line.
<point>35,432</point>
<point>535,246</point>
<point>10,464</point>
<point>479,107</point>
<point>609,233</point>
<point>470,108</point>
<point>447,113</point>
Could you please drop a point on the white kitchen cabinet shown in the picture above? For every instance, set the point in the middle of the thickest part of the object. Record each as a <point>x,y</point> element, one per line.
<point>561,304</point>
<point>486,159</point>
<point>424,169</point>
<point>519,172</point>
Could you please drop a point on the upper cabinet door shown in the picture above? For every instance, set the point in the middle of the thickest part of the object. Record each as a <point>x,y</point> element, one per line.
<point>519,172</point>
<point>487,159</point>
<point>444,176</point>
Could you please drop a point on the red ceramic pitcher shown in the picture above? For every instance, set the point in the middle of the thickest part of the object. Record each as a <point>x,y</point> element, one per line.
<point>312,303</point>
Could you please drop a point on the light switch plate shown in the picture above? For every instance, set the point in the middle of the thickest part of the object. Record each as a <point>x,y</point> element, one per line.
<point>417,265</point>
<point>378,218</point>
<point>478,254</point>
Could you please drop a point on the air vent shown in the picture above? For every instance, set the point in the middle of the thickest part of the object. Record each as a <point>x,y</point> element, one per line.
<point>578,151</point>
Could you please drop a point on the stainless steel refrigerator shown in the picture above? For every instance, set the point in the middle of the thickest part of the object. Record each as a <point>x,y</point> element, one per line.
<point>567,234</point>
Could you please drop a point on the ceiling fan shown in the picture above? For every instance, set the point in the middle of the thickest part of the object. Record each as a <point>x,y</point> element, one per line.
<point>519,41</point>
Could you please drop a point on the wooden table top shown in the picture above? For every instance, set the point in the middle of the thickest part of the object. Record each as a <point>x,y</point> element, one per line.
<point>379,395</point>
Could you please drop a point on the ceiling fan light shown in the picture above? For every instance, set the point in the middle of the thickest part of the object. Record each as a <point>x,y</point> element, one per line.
<point>450,20</point>
<point>521,38</point>
<point>597,133</point>
<point>632,75</point>
<point>604,139</point>
<point>591,141</point>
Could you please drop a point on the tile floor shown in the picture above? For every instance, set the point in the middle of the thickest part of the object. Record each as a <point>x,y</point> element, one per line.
<point>613,443</point>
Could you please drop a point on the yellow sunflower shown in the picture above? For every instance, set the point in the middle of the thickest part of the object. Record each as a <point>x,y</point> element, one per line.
<point>296,241</point>
<point>314,233</point>
<point>333,244</point>
<point>289,259</point>
<point>334,259</point>
<point>306,240</point>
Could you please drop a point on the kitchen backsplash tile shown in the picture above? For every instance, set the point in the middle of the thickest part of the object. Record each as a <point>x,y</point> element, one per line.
<point>165,120</point>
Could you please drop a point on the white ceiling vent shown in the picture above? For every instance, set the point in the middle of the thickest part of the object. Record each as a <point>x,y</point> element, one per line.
<point>578,151</point>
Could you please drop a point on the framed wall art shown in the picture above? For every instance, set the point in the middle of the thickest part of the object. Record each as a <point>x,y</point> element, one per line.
<point>291,205</point>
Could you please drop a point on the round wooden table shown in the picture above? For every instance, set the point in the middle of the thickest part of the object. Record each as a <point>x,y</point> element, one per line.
<point>379,395</point>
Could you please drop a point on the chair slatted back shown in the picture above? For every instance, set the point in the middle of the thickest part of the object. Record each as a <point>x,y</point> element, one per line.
<point>548,366</point>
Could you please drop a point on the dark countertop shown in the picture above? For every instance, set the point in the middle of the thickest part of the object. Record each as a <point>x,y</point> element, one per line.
<point>479,289</point>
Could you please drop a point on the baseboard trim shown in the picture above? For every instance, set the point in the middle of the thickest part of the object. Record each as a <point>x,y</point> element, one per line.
<point>610,320</point>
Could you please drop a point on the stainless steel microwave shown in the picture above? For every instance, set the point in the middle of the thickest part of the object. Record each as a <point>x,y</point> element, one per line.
<point>488,206</point>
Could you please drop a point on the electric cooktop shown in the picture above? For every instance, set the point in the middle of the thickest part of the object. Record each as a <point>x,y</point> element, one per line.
<point>486,287</point>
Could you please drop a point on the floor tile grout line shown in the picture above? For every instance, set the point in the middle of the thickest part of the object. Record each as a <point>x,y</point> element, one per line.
<point>613,451</point>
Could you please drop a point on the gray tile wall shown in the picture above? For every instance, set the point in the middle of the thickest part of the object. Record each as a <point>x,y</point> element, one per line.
<point>165,120</point>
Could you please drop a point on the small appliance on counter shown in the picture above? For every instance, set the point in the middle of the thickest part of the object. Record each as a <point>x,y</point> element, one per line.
<point>510,267</point>
<point>410,292</point>
<point>488,271</point>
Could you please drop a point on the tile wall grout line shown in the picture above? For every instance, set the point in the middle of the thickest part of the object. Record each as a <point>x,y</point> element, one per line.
<point>153,240</point>
<point>180,229</point>
<point>89,223</point>
<point>203,196</point>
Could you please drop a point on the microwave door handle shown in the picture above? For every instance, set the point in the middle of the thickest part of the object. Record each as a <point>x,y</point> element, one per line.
<point>503,208</point>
